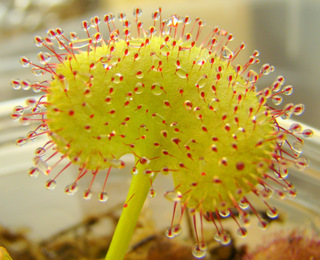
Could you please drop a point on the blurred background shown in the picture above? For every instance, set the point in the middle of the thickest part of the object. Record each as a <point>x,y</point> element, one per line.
<point>286,32</point>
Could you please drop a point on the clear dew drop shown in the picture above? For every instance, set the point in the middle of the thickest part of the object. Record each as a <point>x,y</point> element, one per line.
<point>116,163</point>
<point>108,100</point>
<point>217,236</point>
<point>25,85</point>
<point>137,56</point>
<point>266,69</point>
<point>64,85</point>
<point>277,100</point>
<point>276,86</point>
<point>16,116</point>
<point>243,205</point>
<point>307,133</point>
<point>114,35</point>
<point>156,89</point>
<point>51,34</point>
<point>302,163</point>
<point>78,44</point>
<point>201,82</point>
<point>182,73</point>
<point>267,92</point>
<point>280,194</point>
<point>40,151</point>
<point>166,104</point>
<point>173,21</point>
<point>242,232</point>
<point>87,92</point>
<point>42,165</point>
<point>38,41</point>
<point>197,252</point>
<point>156,15</point>
<point>59,32</point>
<point>263,224</point>
<point>245,220</point>
<point>187,20</point>
<point>252,76</point>
<point>165,50</point>
<point>21,141</point>
<point>186,45</point>
<point>201,62</point>
<point>97,37</point>
<point>36,88</point>
<point>187,105</point>
<point>139,74</point>
<point>285,116</point>
<point>223,237</point>
<point>287,90</point>
<point>281,80</point>
<point>18,109</point>
<point>71,189</point>
<point>117,78</point>
<point>266,193</point>
<point>137,12</point>
<point>109,18</point>
<point>295,128</point>
<point>203,247</point>
<point>283,173</point>
<point>25,61</point>
<point>38,71</point>
<point>169,233</point>
<point>291,193</point>
<point>17,112</point>
<point>149,172</point>
<point>103,196</point>
<point>177,229</point>
<point>110,61</point>
<point>224,213</point>
<point>33,172</point>
<point>43,127</point>
<point>136,43</point>
<point>298,109</point>
<point>197,112</point>
<point>44,57</point>
<point>16,84</point>
<point>173,195</point>
<point>155,58</point>
<point>122,17</point>
<point>144,160</point>
<point>152,193</point>
<point>51,184</point>
<point>213,104</point>
<point>32,102</point>
<point>73,36</point>
<point>226,53</point>
<point>272,213</point>
<point>206,54</point>
<point>62,45</point>
<point>134,171</point>
<point>139,87</point>
<point>24,121</point>
<point>297,147</point>
<point>94,21</point>
<point>87,195</point>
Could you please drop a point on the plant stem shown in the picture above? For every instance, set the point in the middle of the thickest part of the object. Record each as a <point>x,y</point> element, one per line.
<point>138,192</point>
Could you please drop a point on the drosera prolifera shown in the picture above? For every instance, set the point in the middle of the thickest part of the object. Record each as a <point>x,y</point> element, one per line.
<point>172,95</point>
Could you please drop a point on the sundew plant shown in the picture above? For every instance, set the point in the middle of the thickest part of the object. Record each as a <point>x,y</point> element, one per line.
<point>173,95</point>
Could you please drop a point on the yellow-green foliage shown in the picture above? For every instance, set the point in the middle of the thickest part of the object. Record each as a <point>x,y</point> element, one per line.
<point>181,111</point>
